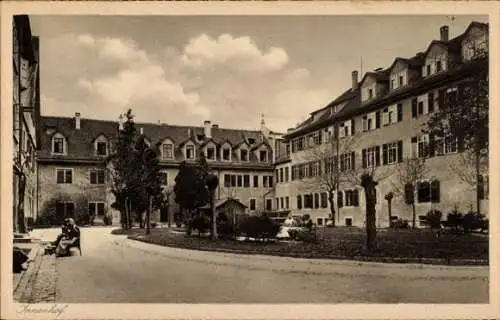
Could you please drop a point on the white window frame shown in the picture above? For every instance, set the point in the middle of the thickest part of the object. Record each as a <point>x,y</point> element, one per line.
<point>64,144</point>
<point>96,203</point>
<point>371,155</point>
<point>164,154</point>
<point>225,147</point>
<point>248,155</point>
<point>346,159</point>
<point>101,140</point>
<point>266,157</point>
<point>392,146</point>
<point>96,170</point>
<point>65,169</point>
<point>214,157</point>
<point>193,156</point>
<point>250,204</point>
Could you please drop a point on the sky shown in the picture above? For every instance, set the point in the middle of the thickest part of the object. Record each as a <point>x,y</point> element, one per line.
<point>231,70</point>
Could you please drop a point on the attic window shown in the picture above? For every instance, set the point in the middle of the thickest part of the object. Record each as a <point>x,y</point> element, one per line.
<point>244,155</point>
<point>226,154</point>
<point>101,148</point>
<point>58,146</point>
<point>263,156</point>
<point>251,140</point>
<point>211,153</point>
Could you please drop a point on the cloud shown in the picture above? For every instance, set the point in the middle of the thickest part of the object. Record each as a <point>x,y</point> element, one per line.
<point>226,79</point>
<point>241,52</point>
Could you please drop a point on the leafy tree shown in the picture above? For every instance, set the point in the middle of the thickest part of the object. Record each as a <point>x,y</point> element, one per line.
<point>190,190</point>
<point>464,114</point>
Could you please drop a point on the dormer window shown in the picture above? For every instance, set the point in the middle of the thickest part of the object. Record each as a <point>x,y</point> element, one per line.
<point>167,151</point>
<point>190,152</point>
<point>370,93</point>
<point>428,69</point>
<point>439,66</point>
<point>401,81</point>
<point>226,154</point>
<point>101,146</point>
<point>244,155</point>
<point>263,156</point>
<point>58,144</point>
<point>211,153</point>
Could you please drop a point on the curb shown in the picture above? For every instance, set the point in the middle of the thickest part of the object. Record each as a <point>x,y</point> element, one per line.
<point>28,275</point>
<point>430,261</point>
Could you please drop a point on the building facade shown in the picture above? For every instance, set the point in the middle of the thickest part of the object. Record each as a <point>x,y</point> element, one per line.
<point>74,178</point>
<point>377,124</point>
<point>26,114</point>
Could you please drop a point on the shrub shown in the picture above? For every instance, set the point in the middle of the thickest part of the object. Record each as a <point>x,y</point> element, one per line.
<point>259,227</point>
<point>473,221</point>
<point>108,220</point>
<point>306,236</point>
<point>433,219</point>
<point>454,219</point>
<point>400,224</point>
<point>199,223</point>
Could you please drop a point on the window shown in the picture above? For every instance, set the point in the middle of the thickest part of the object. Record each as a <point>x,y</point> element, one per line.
<point>286,174</point>
<point>64,175</point>
<point>439,66</point>
<point>255,181</point>
<point>347,161</point>
<point>246,181</point>
<point>420,146</point>
<point>227,180</point>
<point>211,153</point>
<point>428,192</point>
<point>287,202</point>
<point>265,182</point>
<point>351,198</point>
<point>240,181</point>
<point>58,145</point>
<point>101,148</point>
<point>252,204</point>
<point>96,209</point>
<point>263,156</point>
<point>370,93</point>
<point>270,181</point>
<point>97,176</point>
<point>450,144</point>
<point>65,209</point>
<point>269,204</point>
<point>428,69</point>
<point>282,201</point>
<point>371,157</point>
<point>401,81</point>
<point>308,201</point>
<point>299,202</point>
<point>324,200</point>
<point>167,151</point>
<point>320,221</point>
<point>281,175</point>
<point>392,152</point>
<point>244,155</point>
<point>189,152</point>
<point>316,200</point>
<point>233,180</point>
<point>226,154</point>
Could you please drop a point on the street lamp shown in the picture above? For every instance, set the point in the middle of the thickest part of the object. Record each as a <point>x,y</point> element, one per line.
<point>211,183</point>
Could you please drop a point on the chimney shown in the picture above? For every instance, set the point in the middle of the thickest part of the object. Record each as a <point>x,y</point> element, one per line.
<point>206,129</point>
<point>354,76</point>
<point>444,33</point>
<point>77,120</point>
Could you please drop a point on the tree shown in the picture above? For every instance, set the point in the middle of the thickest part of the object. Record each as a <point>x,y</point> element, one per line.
<point>464,114</point>
<point>329,173</point>
<point>409,173</point>
<point>121,168</point>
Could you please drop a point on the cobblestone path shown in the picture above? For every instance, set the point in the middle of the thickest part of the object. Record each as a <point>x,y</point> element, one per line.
<point>39,282</point>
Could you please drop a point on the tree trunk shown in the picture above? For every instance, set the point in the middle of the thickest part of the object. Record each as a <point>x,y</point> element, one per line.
<point>414,215</point>
<point>214,216</point>
<point>148,215</point>
<point>478,173</point>
<point>126,214</point>
<point>371,219</point>
<point>332,206</point>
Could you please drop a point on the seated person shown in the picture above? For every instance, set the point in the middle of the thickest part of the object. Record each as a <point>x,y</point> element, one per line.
<point>62,234</point>
<point>70,239</point>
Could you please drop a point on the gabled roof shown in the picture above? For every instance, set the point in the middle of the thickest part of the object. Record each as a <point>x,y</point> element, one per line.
<point>412,63</point>
<point>380,76</point>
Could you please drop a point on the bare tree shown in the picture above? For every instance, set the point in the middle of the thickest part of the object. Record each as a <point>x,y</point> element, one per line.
<point>410,172</point>
<point>464,167</point>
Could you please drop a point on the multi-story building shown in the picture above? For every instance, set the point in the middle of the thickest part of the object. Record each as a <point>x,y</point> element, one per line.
<point>377,123</point>
<point>26,113</point>
<point>72,163</point>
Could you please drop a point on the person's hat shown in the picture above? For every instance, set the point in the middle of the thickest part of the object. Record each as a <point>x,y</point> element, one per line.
<point>70,221</point>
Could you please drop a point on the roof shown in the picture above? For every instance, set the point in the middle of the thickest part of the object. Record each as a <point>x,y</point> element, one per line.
<point>353,99</point>
<point>222,202</point>
<point>79,142</point>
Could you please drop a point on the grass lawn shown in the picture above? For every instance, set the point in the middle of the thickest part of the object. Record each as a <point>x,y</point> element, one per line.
<point>341,242</point>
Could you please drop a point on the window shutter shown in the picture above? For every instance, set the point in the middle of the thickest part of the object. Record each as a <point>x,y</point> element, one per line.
<point>377,156</point>
<point>414,108</point>
<point>441,93</point>
<point>353,160</point>
<point>356,197</point>
<point>69,176</point>
<point>340,201</point>
<point>353,128</point>
<point>430,98</point>
<point>431,147</point>
<point>400,112</point>
<point>400,151</point>
<point>348,198</point>
<point>341,164</point>
<point>435,191</point>
<point>384,153</point>
<point>363,156</point>
<point>377,119</point>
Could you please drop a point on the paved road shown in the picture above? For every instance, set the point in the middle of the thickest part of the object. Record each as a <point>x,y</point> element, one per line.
<point>114,269</point>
